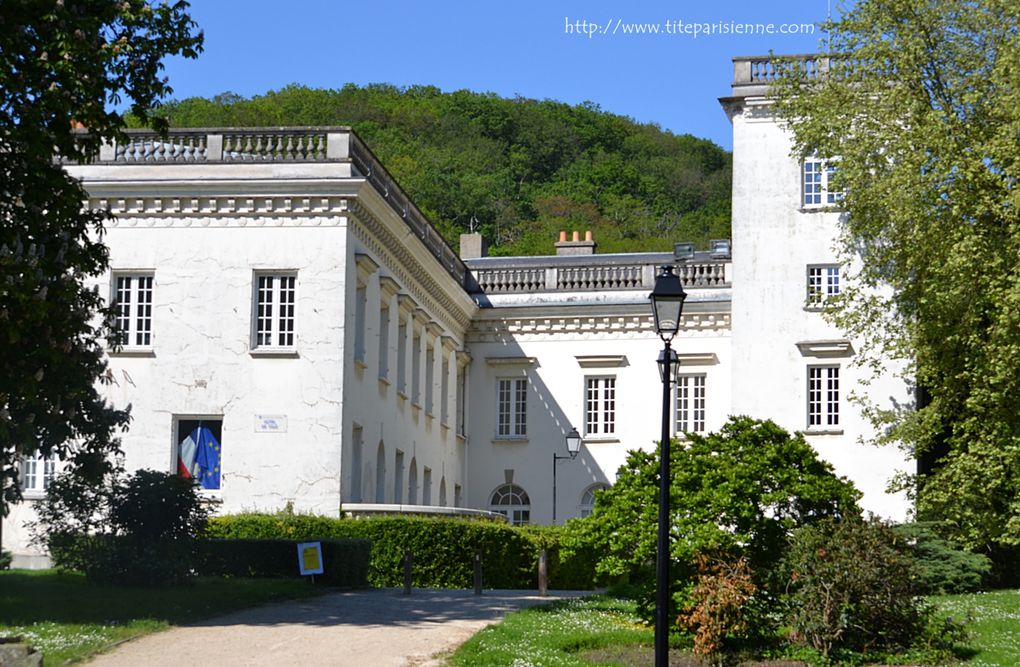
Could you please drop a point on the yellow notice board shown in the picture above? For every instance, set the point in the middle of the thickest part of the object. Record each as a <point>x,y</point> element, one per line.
<point>309,556</point>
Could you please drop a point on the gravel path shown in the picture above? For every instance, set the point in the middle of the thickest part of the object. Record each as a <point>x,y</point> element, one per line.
<point>373,628</point>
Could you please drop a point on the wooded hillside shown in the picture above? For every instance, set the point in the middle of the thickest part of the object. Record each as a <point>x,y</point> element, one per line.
<point>516,170</point>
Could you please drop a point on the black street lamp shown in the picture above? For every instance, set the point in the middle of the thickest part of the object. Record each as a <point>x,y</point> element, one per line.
<point>574,443</point>
<point>667,305</point>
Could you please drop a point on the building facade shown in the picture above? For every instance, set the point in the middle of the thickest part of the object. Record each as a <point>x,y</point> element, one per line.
<point>295,333</point>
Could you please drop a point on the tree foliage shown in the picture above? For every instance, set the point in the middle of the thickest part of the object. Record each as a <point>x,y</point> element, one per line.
<point>62,63</point>
<point>920,109</point>
<point>516,170</point>
<point>737,493</point>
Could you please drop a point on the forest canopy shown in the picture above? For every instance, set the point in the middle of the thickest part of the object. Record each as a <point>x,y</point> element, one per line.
<point>515,170</point>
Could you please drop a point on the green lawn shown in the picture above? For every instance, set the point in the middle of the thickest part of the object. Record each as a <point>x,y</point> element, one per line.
<point>550,636</point>
<point>994,621</point>
<point>68,619</point>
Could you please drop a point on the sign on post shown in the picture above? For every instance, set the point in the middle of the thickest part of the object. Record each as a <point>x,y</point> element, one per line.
<point>310,558</point>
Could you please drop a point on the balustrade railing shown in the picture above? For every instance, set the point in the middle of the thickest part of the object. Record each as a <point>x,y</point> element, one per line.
<point>612,275</point>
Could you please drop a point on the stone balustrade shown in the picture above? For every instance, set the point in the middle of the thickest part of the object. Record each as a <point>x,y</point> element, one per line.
<point>597,273</point>
<point>752,75</point>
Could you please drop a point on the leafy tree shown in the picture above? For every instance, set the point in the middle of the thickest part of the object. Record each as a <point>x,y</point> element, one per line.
<point>920,109</point>
<point>739,492</point>
<point>64,63</point>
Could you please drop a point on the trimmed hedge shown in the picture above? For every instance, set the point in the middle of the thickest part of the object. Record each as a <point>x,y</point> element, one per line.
<point>443,548</point>
<point>345,561</point>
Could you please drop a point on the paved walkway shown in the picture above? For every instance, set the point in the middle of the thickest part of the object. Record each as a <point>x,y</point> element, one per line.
<point>373,628</point>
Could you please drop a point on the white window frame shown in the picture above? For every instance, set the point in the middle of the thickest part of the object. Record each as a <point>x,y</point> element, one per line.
<point>600,406</point>
<point>823,283</point>
<point>512,408</point>
<point>513,502</point>
<point>274,330</point>
<point>37,473</point>
<point>823,404</point>
<point>815,190</point>
<point>690,401</point>
<point>132,300</point>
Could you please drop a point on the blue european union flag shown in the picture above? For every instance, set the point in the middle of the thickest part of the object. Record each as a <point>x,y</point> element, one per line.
<point>207,459</point>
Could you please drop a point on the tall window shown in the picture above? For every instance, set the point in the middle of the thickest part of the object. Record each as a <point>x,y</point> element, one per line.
<point>430,377</point>
<point>816,190</point>
<point>512,408</point>
<point>402,355</point>
<point>444,391</point>
<point>199,452</point>
<point>37,472</point>
<point>360,306</point>
<point>461,400</point>
<point>274,310</point>
<point>600,405</point>
<point>513,502</point>
<point>132,302</point>
<point>822,284</point>
<point>416,369</point>
<point>690,404</point>
<point>384,341</point>
<point>823,396</point>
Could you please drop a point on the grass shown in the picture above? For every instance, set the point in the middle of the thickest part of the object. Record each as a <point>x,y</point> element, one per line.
<point>607,631</point>
<point>550,636</point>
<point>993,619</point>
<point>69,620</point>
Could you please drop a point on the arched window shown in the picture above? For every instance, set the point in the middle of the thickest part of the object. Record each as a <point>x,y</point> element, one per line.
<point>512,501</point>
<point>588,498</point>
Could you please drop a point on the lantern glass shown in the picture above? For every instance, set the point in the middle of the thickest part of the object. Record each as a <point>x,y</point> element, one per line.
<point>667,303</point>
<point>573,442</point>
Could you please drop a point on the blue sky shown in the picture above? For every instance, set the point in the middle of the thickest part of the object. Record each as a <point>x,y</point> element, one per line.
<point>528,48</point>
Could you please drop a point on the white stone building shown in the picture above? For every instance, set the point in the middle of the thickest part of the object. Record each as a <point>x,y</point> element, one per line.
<point>280,290</point>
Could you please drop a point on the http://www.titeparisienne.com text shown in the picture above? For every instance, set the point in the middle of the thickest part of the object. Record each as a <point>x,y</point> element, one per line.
<point>679,28</point>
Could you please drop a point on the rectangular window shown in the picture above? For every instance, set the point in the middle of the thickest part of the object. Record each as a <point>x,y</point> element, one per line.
<point>360,306</point>
<point>816,190</point>
<point>37,472</point>
<point>402,356</point>
<point>512,408</point>
<point>444,392</point>
<point>823,396</point>
<point>690,404</point>
<point>199,451</point>
<point>461,400</point>
<point>384,342</point>
<point>822,284</point>
<point>430,377</point>
<point>600,405</point>
<point>275,297</point>
<point>416,370</point>
<point>132,302</point>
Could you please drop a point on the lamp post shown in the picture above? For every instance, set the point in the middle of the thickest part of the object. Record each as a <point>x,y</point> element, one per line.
<point>667,304</point>
<point>574,443</point>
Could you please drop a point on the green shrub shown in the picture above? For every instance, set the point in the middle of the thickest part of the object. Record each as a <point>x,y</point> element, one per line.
<point>345,561</point>
<point>443,548</point>
<point>5,559</point>
<point>741,491</point>
<point>942,567</point>
<point>853,587</point>
<point>141,530</point>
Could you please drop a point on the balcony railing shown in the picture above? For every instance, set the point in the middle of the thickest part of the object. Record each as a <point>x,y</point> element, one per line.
<point>752,75</point>
<point>597,273</point>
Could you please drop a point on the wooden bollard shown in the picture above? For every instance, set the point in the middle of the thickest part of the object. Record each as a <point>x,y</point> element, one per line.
<point>543,573</point>
<point>407,572</point>
<point>478,571</point>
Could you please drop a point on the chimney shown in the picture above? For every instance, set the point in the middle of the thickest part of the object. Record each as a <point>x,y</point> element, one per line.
<point>576,246</point>
<point>473,246</point>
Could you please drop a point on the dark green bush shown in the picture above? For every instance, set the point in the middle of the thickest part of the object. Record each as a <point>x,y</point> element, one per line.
<point>443,548</point>
<point>852,586</point>
<point>941,566</point>
<point>141,530</point>
<point>5,559</point>
<point>345,561</point>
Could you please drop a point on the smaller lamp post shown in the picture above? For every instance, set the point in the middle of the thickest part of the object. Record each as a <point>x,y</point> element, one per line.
<point>574,443</point>
<point>667,305</point>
